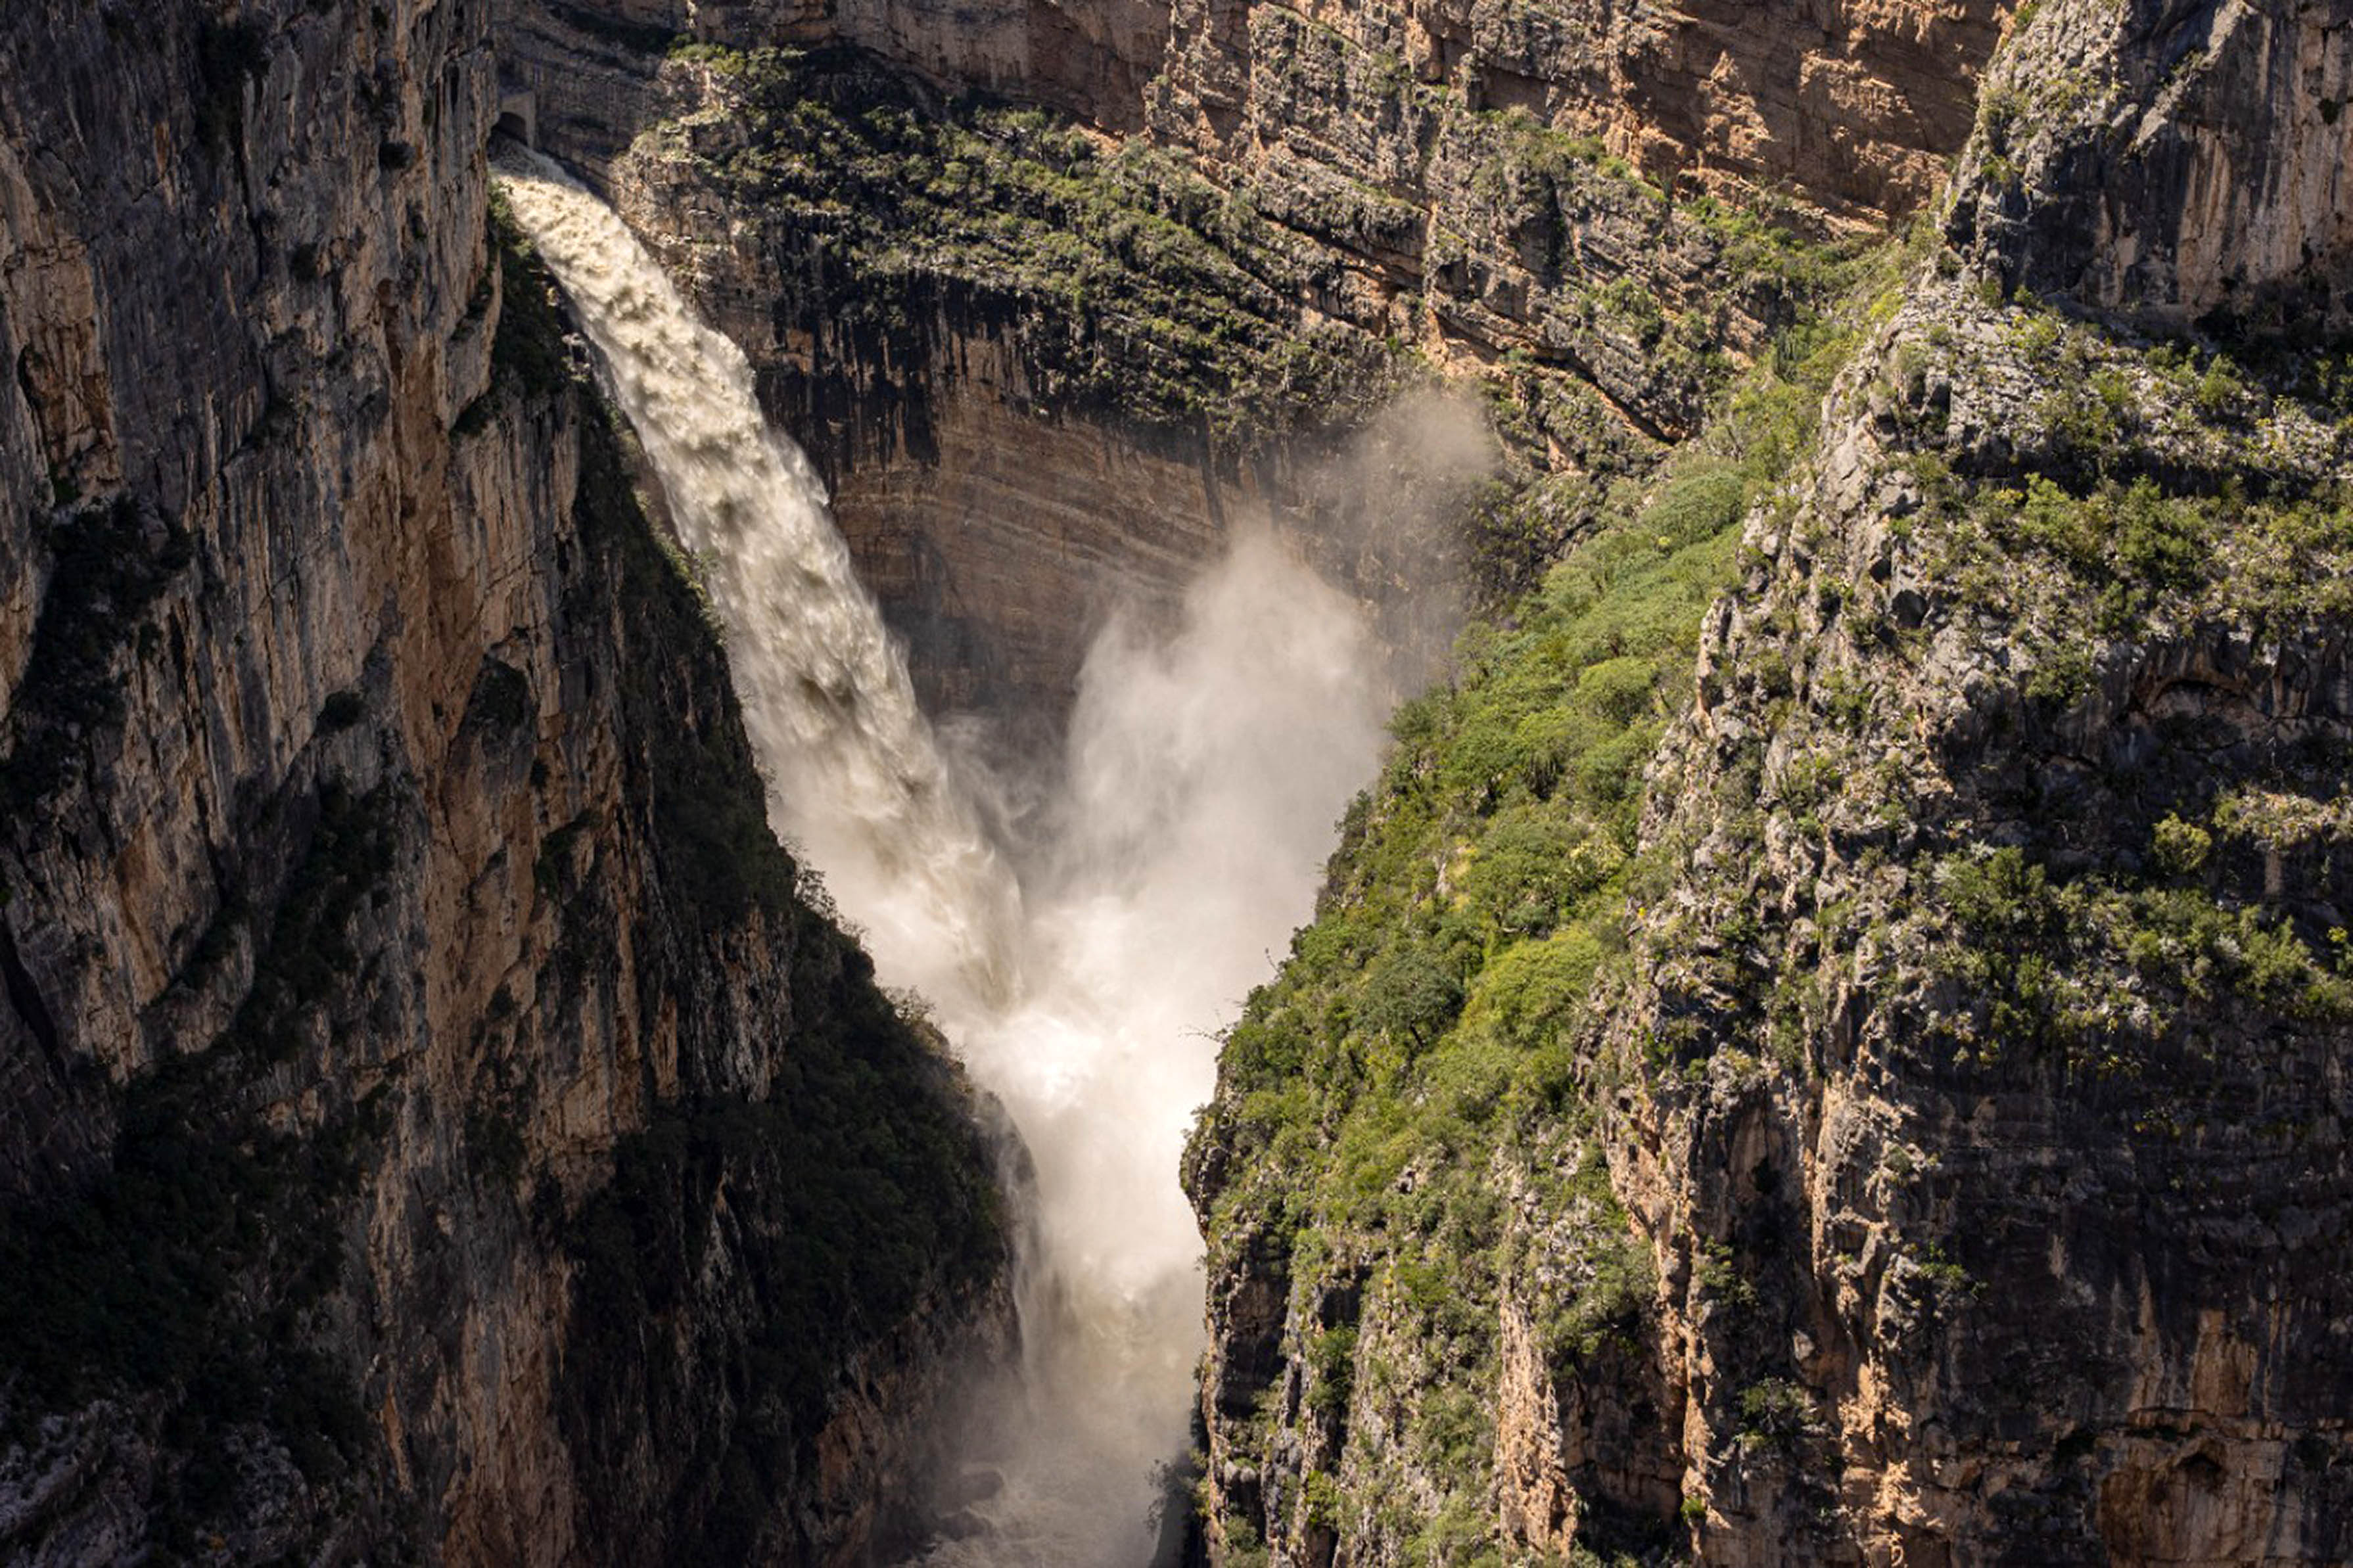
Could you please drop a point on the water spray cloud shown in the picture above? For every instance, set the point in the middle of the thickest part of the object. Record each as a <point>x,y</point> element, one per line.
<point>1084,973</point>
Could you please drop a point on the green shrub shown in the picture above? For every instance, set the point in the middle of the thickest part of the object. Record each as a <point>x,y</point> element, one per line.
<point>1777,1414</point>
<point>2219,389</point>
<point>527,352</point>
<point>1332,1364</point>
<point>1410,995</point>
<point>1533,987</point>
<point>2180,847</point>
<point>1699,500</point>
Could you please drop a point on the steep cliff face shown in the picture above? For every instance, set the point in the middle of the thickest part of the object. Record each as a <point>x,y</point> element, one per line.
<point>2172,165</point>
<point>1921,1139</point>
<point>2005,805</point>
<point>1854,107</point>
<point>1427,1303</point>
<point>1827,1042</point>
<point>1990,1053</point>
<point>975,319</point>
<point>1858,107</point>
<point>437,1121</point>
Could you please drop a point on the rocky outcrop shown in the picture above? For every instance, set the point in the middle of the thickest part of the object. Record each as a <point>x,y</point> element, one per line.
<point>1855,108</point>
<point>1951,1171</point>
<point>2171,164</point>
<point>1988,1139</point>
<point>1529,195</point>
<point>2014,1245</point>
<point>430,1098</point>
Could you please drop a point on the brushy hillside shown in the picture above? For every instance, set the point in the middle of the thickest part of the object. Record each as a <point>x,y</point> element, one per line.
<point>1402,1121</point>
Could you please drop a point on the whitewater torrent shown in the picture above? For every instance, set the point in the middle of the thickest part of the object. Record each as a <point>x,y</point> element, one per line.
<point>1080,976</point>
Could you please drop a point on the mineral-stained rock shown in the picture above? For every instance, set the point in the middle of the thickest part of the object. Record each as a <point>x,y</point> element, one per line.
<point>1498,187</point>
<point>367,976</point>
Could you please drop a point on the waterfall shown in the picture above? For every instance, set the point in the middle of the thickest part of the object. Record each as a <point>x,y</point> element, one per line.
<point>1081,976</point>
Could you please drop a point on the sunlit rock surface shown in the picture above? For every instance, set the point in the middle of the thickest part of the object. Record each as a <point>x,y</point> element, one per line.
<point>1503,190</point>
<point>409,1020</point>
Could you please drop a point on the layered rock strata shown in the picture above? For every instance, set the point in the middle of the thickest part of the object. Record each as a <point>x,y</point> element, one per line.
<point>1953,1169</point>
<point>436,1122</point>
<point>1526,193</point>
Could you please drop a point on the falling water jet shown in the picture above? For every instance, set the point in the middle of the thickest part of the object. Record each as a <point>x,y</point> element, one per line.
<point>855,775</point>
<point>1204,769</point>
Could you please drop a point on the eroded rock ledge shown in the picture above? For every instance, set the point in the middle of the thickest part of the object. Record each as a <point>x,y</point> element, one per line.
<point>1602,213</point>
<point>434,1123</point>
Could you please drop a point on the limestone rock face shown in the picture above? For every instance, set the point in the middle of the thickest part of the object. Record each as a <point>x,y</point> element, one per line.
<point>364,972</point>
<point>1856,107</point>
<point>2172,164</point>
<point>1992,1205</point>
<point>1499,189</point>
<point>1976,1091</point>
<point>2036,1273</point>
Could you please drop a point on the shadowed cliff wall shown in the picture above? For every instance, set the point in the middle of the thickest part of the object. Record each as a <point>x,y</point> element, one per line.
<point>436,1120</point>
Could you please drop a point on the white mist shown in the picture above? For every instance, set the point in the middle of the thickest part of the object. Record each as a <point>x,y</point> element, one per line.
<point>1183,843</point>
<point>1083,978</point>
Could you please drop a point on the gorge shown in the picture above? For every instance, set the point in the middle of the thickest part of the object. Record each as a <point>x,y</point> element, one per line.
<point>663,895</point>
<point>1180,842</point>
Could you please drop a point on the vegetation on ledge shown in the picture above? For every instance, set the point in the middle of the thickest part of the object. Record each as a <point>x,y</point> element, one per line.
<point>1139,286</point>
<point>1400,1126</point>
<point>1291,301</point>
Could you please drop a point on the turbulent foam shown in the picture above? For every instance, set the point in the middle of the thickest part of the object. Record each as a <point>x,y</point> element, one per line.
<point>854,775</point>
<point>1182,843</point>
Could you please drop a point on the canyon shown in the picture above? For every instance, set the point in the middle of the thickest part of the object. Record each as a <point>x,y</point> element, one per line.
<point>1485,190</point>
<point>1824,1037</point>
